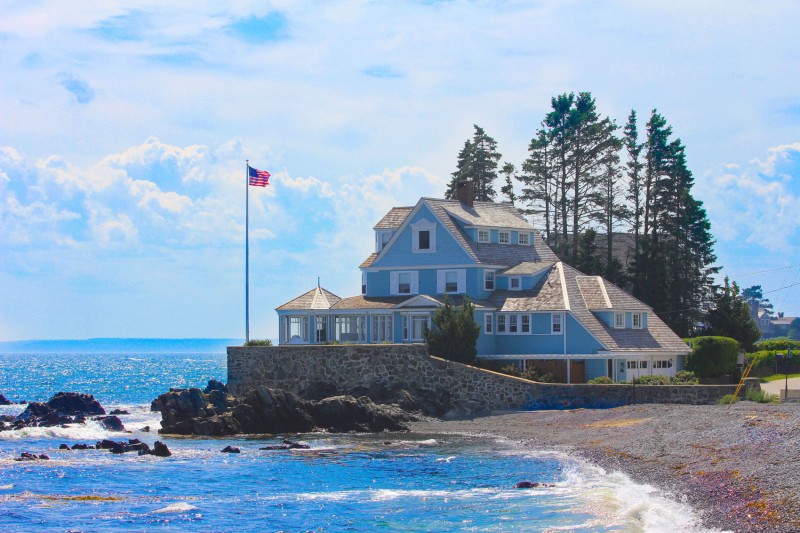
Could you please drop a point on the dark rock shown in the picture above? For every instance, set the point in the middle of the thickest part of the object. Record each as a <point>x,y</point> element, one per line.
<point>63,447</point>
<point>214,385</point>
<point>160,449</point>
<point>111,422</point>
<point>526,485</point>
<point>218,399</point>
<point>146,429</point>
<point>231,449</point>
<point>80,419</point>
<point>273,411</point>
<point>74,403</point>
<point>4,400</point>
<point>155,406</point>
<point>81,446</point>
<point>7,418</point>
<point>287,445</point>
<point>27,456</point>
<point>105,444</point>
<point>23,402</point>
<point>119,412</point>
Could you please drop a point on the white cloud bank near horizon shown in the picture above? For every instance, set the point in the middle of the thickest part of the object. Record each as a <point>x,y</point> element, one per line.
<point>126,126</point>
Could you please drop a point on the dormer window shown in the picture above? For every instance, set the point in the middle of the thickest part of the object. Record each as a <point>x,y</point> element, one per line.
<point>483,235</point>
<point>363,283</point>
<point>423,237</point>
<point>636,320</point>
<point>504,237</point>
<point>523,238</point>
<point>381,238</point>
<point>619,320</point>
<point>515,283</point>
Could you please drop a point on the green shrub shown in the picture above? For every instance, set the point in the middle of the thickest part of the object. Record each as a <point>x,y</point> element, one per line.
<point>454,335</point>
<point>685,377</point>
<point>779,344</point>
<point>532,375</point>
<point>653,380</point>
<point>511,370</point>
<point>258,342</point>
<point>602,380</point>
<point>712,357</point>
<point>727,399</point>
<point>760,396</point>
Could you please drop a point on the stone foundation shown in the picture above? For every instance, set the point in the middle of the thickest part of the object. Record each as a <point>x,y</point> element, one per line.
<point>307,369</point>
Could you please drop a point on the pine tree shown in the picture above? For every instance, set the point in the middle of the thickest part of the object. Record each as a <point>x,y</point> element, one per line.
<point>477,161</point>
<point>508,171</point>
<point>730,317</point>
<point>455,332</point>
<point>559,125</point>
<point>633,165</point>
<point>539,183</point>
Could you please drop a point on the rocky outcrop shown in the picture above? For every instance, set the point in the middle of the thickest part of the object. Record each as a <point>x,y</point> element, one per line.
<point>63,408</point>
<point>214,385</point>
<point>27,456</point>
<point>4,400</point>
<point>272,411</point>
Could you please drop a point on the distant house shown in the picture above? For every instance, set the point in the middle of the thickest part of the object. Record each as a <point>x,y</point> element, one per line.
<point>770,325</point>
<point>531,307</point>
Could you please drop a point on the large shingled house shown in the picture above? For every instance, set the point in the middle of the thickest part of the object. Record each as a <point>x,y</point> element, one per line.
<point>531,307</point>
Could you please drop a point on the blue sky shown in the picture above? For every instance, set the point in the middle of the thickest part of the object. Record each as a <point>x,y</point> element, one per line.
<point>124,128</point>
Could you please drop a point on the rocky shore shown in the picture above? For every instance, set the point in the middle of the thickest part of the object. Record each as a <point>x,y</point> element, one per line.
<point>738,465</point>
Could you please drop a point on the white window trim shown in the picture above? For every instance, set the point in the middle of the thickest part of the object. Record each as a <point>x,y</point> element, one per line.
<point>363,283</point>
<point>500,237</point>
<point>557,318</point>
<point>636,317</point>
<point>303,320</point>
<point>388,327</point>
<point>423,225</point>
<point>509,319</point>
<point>394,282</point>
<point>519,279</point>
<point>494,280</point>
<point>407,329</point>
<point>379,239</point>
<point>488,324</point>
<point>617,325</point>
<point>461,281</point>
<point>526,241</point>
<point>486,233</point>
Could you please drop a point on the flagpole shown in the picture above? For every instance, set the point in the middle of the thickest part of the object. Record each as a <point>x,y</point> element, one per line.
<point>247,251</point>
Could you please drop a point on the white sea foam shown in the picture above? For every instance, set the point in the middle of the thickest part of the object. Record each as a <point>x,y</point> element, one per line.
<point>180,507</point>
<point>427,442</point>
<point>90,431</point>
<point>445,459</point>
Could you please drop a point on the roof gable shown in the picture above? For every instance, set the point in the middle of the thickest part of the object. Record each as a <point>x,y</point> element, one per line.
<point>316,298</point>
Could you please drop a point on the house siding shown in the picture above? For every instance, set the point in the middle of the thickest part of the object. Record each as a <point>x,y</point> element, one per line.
<point>595,368</point>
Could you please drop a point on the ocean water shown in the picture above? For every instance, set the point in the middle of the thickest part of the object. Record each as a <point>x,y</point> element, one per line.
<point>385,482</point>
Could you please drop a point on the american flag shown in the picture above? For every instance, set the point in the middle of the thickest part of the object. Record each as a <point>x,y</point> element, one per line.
<point>258,178</point>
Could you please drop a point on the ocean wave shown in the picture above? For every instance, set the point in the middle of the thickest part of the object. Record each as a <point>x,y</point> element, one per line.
<point>180,507</point>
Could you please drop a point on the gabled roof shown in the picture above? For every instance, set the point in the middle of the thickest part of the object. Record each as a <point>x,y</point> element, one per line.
<point>485,214</point>
<point>580,295</point>
<point>393,218</point>
<point>316,298</point>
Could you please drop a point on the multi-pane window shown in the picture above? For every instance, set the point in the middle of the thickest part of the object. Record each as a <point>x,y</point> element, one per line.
<point>296,329</point>
<point>619,320</point>
<point>636,320</point>
<point>483,235</point>
<point>522,238</point>
<point>525,324</point>
<point>512,323</point>
<point>504,237</point>
<point>555,323</point>
<point>404,282</point>
<point>501,323</point>
<point>515,283</point>
<point>451,281</point>
<point>363,283</point>
<point>414,327</point>
<point>321,328</point>
<point>350,328</point>
<point>488,280</point>
<point>665,363</point>
<point>382,328</point>
<point>487,323</point>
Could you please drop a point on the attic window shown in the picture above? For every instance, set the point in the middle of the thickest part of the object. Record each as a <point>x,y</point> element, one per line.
<point>483,235</point>
<point>423,237</point>
<point>636,320</point>
<point>522,238</point>
<point>504,237</point>
<point>619,320</point>
<point>515,283</point>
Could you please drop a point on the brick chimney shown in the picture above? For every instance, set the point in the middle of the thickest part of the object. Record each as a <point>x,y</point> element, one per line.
<point>464,192</point>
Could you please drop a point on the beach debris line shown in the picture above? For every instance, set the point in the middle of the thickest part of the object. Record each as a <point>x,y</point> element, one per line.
<point>273,411</point>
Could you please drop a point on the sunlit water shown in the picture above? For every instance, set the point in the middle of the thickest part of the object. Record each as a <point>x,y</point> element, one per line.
<point>386,482</point>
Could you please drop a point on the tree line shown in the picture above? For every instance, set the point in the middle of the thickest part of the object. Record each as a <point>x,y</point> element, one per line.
<point>609,201</point>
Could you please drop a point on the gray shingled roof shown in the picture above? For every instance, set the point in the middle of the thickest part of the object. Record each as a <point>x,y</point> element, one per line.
<point>316,298</point>
<point>393,218</point>
<point>487,214</point>
<point>592,291</point>
<point>369,302</point>
<point>525,268</point>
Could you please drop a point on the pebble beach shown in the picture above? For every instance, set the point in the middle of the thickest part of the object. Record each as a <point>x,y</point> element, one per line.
<point>738,466</point>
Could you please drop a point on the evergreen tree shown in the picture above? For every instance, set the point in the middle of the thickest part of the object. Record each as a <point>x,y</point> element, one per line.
<point>730,317</point>
<point>612,214</point>
<point>539,183</point>
<point>633,165</point>
<point>455,332</point>
<point>559,126</point>
<point>477,161</point>
<point>508,171</point>
<point>755,295</point>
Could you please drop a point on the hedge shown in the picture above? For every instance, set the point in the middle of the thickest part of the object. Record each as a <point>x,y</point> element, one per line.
<point>713,356</point>
<point>778,344</point>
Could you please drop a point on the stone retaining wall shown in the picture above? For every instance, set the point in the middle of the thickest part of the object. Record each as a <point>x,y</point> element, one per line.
<point>343,368</point>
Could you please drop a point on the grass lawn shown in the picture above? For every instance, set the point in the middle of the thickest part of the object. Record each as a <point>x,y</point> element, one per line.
<point>776,377</point>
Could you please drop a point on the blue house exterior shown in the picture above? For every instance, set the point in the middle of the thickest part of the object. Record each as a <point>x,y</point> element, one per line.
<point>531,307</point>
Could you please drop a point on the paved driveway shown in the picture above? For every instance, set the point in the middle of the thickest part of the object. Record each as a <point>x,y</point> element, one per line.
<point>774,387</point>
